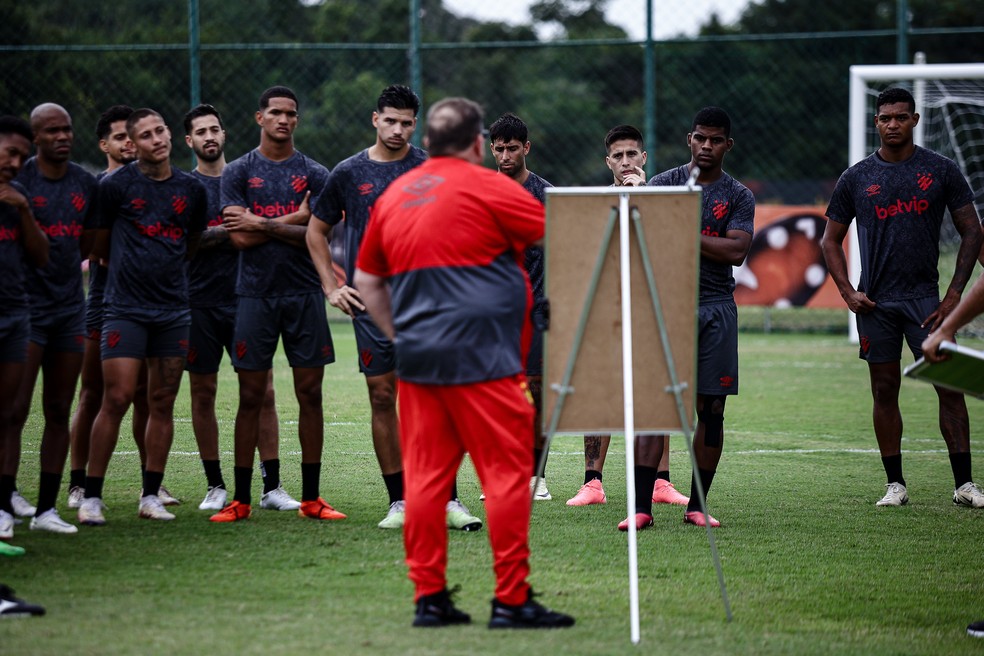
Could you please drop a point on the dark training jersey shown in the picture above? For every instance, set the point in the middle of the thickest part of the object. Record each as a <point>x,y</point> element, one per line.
<point>213,271</point>
<point>150,222</point>
<point>62,209</point>
<point>449,236</point>
<point>899,207</point>
<point>270,189</point>
<point>726,205</point>
<point>533,258</point>
<point>353,187</point>
<point>13,291</point>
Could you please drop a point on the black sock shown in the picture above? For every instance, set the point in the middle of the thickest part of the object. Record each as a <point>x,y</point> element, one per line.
<point>590,475</point>
<point>243,477</point>
<point>270,471</point>
<point>960,464</point>
<point>537,454</point>
<point>152,482</point>
<point>47,492</point>
<point>893,469</point>
<point>663,475</point>
<point>454,490</point>
<point>706,477</point>
<point>76,478</point>
<point>310,481</point>
<point>213,473</point>
<point>7,487</point>
<point>94,487</point>
<point>645,479</point>
<point>394,486</point>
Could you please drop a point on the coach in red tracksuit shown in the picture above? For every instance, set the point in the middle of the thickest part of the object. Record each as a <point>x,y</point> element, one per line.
<point>440,271</point>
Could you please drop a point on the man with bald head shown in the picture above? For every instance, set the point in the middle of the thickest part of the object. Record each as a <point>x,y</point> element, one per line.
<point>61,195</point>
<point>440,272</point>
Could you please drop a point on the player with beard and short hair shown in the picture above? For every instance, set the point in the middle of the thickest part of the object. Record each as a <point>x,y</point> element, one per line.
<point>266,197</point>
<point>899,195</point>
<point>151,216</point>
<point>118,148</point>
<point>212,295</point>
<point>61,194</point>
<point>625,156</point>
<point>353,187</point>
<point>22,244</point>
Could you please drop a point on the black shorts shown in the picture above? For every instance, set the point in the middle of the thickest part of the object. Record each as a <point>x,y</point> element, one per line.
<point>302,321</point>
<point>94,316</point>
<point>62,332</point>
<point>717,349</point>
<point>211,333</point>
<point>376,354</point>
<point>15,333</point>
<point>148,334</point>
<point>880,332</point>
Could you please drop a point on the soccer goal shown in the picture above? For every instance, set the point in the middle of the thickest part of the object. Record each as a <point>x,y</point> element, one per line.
<point>950,102</point>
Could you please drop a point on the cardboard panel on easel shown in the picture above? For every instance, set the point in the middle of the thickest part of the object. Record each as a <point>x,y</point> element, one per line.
<point>575,230</point>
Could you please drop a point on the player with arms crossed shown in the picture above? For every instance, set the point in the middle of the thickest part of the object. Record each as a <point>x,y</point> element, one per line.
<point>899,195</point>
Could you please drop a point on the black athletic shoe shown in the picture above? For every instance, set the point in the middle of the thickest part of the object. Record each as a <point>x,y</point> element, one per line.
<point>438,610</point>
<point>11,606</point>
<point>530,615</point>
<point>976,629</point>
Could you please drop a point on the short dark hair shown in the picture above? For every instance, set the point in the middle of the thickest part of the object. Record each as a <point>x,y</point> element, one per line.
<point>16,125</point>
<point>105,123</point>
<point>199,111</point>
<point>139,114</point>
<point>508,127</point>
<point>398,96</point>
<point>452,125</point>
<point>277,92</point>
<point>713,117</point>
<point>620,132</point>
<point>893,96</point>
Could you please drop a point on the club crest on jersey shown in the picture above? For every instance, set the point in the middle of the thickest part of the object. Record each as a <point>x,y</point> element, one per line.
<point>39,202</point>
<point>255,183</point>
<point>179,204</point>
<point>924,180</point>
<point>719,209</point>
<point>78,201</point>
<point>298,183</point>
<point>365,188</point>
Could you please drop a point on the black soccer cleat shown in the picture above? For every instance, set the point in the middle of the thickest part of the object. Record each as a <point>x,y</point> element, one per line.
<point>529,615</point>
<point>438,610</point>
<point>11,606</point>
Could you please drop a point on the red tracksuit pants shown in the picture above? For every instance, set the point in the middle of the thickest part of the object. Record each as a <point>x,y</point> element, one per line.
<point>493,422</point>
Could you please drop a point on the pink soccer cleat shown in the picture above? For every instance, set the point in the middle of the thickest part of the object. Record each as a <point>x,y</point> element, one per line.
<point>664,492</point>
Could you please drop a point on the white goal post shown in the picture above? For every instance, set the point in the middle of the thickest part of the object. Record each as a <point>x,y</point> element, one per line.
<point>862,120</point>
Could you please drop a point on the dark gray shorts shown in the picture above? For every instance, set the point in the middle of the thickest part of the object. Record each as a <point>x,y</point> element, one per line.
<point>376,355</point>
<point>15,332</point>
<point>302,321</point>
<point>162,336</point>
<point>880,332</point>
<point>211,333</point>
<point>63,332</point>
<point>717,349</point>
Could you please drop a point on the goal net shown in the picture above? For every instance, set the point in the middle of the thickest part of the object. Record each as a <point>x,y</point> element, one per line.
<point>950,102</point>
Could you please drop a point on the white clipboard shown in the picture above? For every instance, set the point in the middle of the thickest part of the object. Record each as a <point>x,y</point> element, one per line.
<point>963,371</point>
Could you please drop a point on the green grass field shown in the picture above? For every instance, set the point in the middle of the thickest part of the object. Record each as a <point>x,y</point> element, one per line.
<point>811,565</point>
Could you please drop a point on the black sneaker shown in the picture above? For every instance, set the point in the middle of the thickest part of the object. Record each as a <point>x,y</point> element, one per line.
<point>976,629</point>
<point>11,606</point>
<point>529,615</point>
<point>438,610</point>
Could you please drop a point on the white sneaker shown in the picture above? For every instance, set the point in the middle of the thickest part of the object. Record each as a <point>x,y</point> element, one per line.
<point>21,506</point>
<point>969,494</point>
<point>896,496</point>
<point>167,498</point>
<point>151,507</point>
<point>90,512</point>
<point>50,521</point>
<point>542,494</point>
<point>6,525</point>
<point>395,517</point>
<point>75,496</point>
<point>215,499</point>
<point>278,499</point>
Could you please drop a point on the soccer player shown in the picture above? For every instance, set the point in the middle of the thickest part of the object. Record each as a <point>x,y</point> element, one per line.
<point>212,295</point>
<point>22,244</point>
<point>265,205</point>
<point>62,195</point>
<point>440,269</point>
<point>150,218</point>
<point>727,224</point>
<point>625,157</point>
<point>899,195</point>
<point>115,143</point>
<point>510,144</point>
<point>353,187</point>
